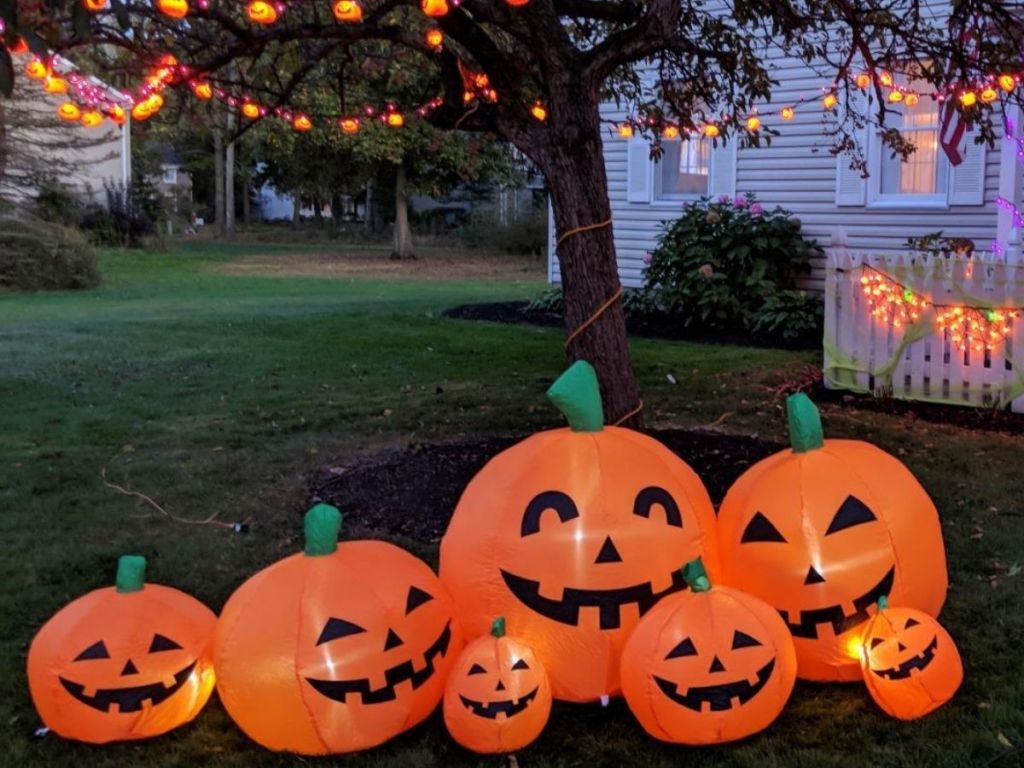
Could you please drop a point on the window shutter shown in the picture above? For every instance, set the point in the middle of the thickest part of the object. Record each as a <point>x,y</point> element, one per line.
<point>723,170</point>
<point>638,171</point>
<point>851,186</point>
<point>967,180</point>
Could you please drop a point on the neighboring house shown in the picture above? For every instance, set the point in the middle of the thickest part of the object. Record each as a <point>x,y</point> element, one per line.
<point>174,183</point>
<point>798,172</point>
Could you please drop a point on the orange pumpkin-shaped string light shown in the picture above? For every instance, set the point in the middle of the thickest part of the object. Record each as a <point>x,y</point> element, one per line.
<point>335,649</point>
<point>538,111</point>
<point>821,531</point>
<point>572,535</point>
<point>202,90</point>
<point>498,697</point>
<point>95,6</point>
<point>117,114</point>
<point>830,101</point>
<point>517,3</point>
<point>69,112</point>
<point>435,8</point>
<point>1007,82</point>
<point>302,123</point>
<point>250,110</point>
<point>434,37</point>
<point>55,84</point>
<point>348,11</point>
<point>261,12</point>
<point>92,118</point>
<point>124,662</point>
<point>910,664</point>
<point>787,113</point>
<point>863,80</point>
<point>20,45</point>
<point>175,9</point>
<point>349,125</point>
<point>395,119</point>
<point>707,666</point>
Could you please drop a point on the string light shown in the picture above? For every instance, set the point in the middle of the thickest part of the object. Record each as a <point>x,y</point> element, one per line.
<point>95,6</point>
<point>830,101</point>
<point>348,11</point>
<point>787,113</point>
<point>435,8</point>
<point>434,38</point>
<point>889,300</point>
<point>175,9</point>
<point>349,125</point>
<point>263,12</point>
<point>539,112</point>
<point>981,330</point>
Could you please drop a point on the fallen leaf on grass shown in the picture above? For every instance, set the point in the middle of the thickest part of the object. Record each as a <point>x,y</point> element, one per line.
<point>1004,741</point>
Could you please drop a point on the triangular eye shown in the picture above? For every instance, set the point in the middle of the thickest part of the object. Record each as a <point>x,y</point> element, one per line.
<point>521,664</point>
<point>416,598</point>
<point>760,528</point>
<point>476,669</point>
<point>685,648</point>
<point>852,512</point>
<point>161,643</point>
<point>97,650</point>
<point>876,641</point>
<point>743,640</point>
<point>335,628</point>
<point>911,623</point>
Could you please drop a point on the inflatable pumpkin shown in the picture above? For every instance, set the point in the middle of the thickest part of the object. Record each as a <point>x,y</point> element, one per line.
<point>498,697</point>
<point>822,531</point>
<point>708,666</point>
<point>335,649</point>
<point>910,664</point>
<point>124,662</point>
<point>573,535</point>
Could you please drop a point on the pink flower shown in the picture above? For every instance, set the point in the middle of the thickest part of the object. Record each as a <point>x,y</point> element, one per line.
<point>740,202</point>
<point>647,257</point>
<point>706,270</point>
<point>724,199</point>
<point>757,209</point>
<point>686,204</point>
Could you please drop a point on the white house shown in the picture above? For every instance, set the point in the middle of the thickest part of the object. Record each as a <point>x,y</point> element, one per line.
<point>835,204</point>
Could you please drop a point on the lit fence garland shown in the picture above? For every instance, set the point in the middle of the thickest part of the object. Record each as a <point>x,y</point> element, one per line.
<point>890,300</point>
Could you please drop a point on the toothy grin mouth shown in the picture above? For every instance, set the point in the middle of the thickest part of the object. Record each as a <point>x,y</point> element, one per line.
<point>903,671</point>
<point>607,601</point>
<point>128,699</point>
<point>719,697</point>
<point>338,690</point>
<point>495,708</point>
<point>807,627</point>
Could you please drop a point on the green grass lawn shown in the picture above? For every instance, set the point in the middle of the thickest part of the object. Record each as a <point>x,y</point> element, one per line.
<point>218,391</point>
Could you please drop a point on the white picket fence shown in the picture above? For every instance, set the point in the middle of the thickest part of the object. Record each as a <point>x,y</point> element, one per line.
<point>861,351</point>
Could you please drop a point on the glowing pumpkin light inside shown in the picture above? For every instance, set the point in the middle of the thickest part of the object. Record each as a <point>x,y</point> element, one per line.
<point>1007,82</point>
<point>886,78</point>
<point>202,90</point>
<point>911,99</point>
<point>968,98</point>
<point>36,70</point>
<point>349,11</point>
<point>307,666</point>
<point>117,115</point>
<point>831,101</point>
<point>517,3</point>
<point>708,666</point>
<point>539,112</point>
<point>498,697</point>
<point>711,131</point>
<point>863,80</point>
<point>126,662</point>
<point>20,45</point>
<point>910,664</point>
<point>250,110</point>
<point>395,119</point>
<point>895,96</point>
<point>988,95</point>
<point>434,38</point>
<point>261,12</point>
<point>435,8</point>
<point>753,123</point>
<point>572,535</point>
<point>55,84</point>
<point>92,118</point>
<point>95,6</point>
<point>69,112</point>
<point>349,125</point>
<point>175,9</point>
<point>625,131</point>
<point>787,113</point>
<point>821,531</point>
<point>670,132</point>
<point>302,123</point>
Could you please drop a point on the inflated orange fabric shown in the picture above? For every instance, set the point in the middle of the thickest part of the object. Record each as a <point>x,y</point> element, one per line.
<point>899,552</point>
<point>708,667</point>
<point>910,664</point>
<point>498,696</point>
<point>125,672</point>
<point>599,567</point>
<point>275,664</point>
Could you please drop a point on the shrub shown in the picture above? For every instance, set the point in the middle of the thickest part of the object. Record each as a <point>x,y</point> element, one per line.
<point>56,202</point>
<point>133,211</point>
<point>717,264</point>
<point>526,235</point>
<point>635,303</point>
<point>37,255</point>
<point>790,316</point>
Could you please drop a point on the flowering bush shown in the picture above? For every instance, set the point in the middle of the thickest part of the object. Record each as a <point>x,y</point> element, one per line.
<point>717,264</point>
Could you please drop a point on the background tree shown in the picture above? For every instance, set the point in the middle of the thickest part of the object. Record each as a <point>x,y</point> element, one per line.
<point>551,62</point>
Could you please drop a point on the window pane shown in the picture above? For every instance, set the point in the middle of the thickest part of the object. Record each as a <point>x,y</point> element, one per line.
<point>925,171</point>
<point>684,168</point>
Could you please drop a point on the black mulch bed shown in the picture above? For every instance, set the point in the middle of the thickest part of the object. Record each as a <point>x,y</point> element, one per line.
<point>413,491</point>
<point>519,312</point>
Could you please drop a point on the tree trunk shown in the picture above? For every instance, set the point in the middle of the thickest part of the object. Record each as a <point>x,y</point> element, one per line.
<point>246,199</point>
<point>403,237</point>
<point>368,210</point>
<point>229,191</point>
<point>296,210</point>
<point>218,181</point>
<point>579,195</point>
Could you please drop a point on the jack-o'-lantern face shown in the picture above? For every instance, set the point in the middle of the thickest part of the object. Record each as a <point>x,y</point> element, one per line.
<point>92,118</point>
<point>573,535</point>
<point>337,649</point>
<point>302,124</point>
<point>349,11</point>
<point>435,8</point>
<point>911,666</point>
<point>69,112</point>
<point>175,9</point>
<point>262,12</point>
<point>822,532</point>
<point>709,666</point>
<point>123,664</point>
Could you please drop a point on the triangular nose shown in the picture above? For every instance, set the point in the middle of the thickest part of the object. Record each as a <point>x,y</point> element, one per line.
<point>813,577</point>
<point>129,669</point>
<point>717,666</point>
<point>393,640</point>
<point>608,553</point>
<point>500,686</point>
<point>902,647</point>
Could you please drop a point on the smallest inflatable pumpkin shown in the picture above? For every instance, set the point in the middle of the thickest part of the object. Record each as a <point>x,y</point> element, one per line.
<point>708,666</point>
<point>124,662</point>
<point>498,697</point>
<point>911,665</point>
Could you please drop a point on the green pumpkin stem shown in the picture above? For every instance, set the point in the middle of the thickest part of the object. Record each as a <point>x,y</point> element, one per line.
<point>577,395</point>
<point>131,574</point>
<point>696,576</point>
<point>498,627</point>
<point>323,523</point>
<point>804,423</point>
<point>883,602</point>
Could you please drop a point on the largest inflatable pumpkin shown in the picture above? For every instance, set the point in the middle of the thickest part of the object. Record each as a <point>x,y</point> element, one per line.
<point>335,649</point>
<point>821,532</point>
<point>572,535</point>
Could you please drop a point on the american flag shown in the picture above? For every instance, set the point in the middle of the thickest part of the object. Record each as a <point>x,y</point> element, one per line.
<point>953,133</point>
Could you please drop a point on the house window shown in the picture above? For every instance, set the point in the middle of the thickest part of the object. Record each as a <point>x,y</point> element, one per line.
<point>683,170</point>
<point>170,175</point>
<point>923,177</point>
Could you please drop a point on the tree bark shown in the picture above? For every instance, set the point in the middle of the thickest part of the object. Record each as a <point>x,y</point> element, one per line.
<point>218,181</point>
<point>368,210</point>
<point>402,248</point>
<point>246,199</point>
<point>579,195</point>
<point>296,210</point>
<point>229,191</point>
